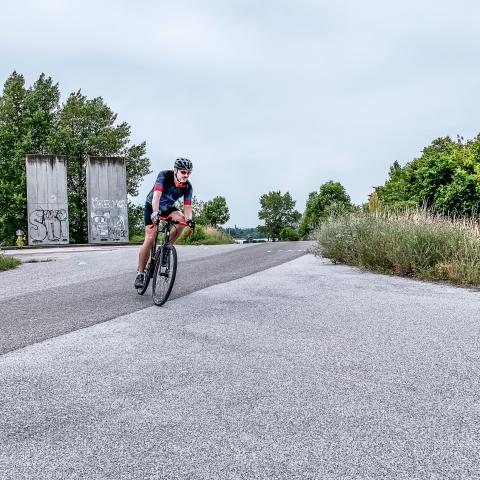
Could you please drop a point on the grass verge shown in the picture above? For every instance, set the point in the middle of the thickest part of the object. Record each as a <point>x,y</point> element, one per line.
<point>136,238</point>
<point>205,235</point>
<point>413,243</point>
<point>202,236</point>
<point>7,263</point>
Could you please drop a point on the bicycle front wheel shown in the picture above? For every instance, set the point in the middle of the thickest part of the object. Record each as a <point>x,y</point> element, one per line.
<point>148,276</point>
<point>164,274</point>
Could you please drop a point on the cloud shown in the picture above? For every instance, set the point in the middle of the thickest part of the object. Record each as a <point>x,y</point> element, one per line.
<point>263,95</point>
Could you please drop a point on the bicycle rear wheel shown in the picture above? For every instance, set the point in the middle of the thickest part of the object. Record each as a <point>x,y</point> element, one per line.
<point>164,275</point>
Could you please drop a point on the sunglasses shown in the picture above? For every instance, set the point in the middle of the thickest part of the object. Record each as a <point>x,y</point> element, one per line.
<point>185,172</point>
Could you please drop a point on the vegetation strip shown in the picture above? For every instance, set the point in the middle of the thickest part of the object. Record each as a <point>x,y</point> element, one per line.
<point>415,243</point>
<point>7,263</point>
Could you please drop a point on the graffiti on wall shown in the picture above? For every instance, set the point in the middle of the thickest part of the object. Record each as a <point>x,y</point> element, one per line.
<point>48,225</point>
<point>99,203</point>
<point>109,220</point>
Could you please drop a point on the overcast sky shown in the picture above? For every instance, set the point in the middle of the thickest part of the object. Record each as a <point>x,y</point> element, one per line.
<point>272,95</point>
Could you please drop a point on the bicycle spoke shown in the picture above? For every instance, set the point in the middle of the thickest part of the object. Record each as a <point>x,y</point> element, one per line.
<point>164,276</point>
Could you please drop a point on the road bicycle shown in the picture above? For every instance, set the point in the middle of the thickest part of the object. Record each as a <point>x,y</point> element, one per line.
<point>162,265</point>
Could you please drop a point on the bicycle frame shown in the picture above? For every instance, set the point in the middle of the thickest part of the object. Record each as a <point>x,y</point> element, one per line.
<point>166,239</point>
<point>168,222</point>
<point>155,264</point>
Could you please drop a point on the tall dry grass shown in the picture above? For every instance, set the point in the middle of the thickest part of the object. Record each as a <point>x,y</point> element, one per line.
<point>413,243</point>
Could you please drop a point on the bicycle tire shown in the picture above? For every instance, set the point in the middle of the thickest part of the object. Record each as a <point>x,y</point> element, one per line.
<point>164,277</point>
<point>148,276</point>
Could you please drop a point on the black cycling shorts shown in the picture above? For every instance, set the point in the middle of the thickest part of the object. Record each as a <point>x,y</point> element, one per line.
<point>149,210</point>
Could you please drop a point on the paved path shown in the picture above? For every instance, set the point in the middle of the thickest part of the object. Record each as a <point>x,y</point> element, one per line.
<point>66,295</point>
<point>303,371</point>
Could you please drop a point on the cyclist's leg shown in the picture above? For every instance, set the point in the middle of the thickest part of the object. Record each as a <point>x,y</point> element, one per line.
<point>176,229</point>
<point>144,253</point>
<point>150,231</point>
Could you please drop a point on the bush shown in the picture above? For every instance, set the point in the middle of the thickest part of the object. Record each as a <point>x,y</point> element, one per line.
<point>205,235</point>
<point>136,238</point>
<point>136,227</point>
<point>414,243</point>
<point>289,234</point>
<point>7,263</point>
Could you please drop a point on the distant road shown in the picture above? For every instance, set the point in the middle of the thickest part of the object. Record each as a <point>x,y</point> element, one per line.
<point>65,303</point>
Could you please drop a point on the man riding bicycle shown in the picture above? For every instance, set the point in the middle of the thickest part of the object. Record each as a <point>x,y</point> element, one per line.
<point>169,187</point>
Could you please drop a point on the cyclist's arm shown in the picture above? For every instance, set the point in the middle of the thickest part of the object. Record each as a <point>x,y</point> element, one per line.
<point>187,204</point>
<point>157,191</point>
<point>187,211</point>
<point>157,194</point>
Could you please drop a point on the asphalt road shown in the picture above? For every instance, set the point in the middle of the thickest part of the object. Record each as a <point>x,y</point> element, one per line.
<point>34,313</point>
<point>306,370</point>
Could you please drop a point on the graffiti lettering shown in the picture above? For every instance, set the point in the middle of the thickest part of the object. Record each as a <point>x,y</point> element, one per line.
<point>99,203</point>
<point>48,225</point>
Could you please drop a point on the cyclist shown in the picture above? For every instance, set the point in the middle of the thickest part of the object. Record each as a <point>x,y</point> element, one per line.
<point>169,187</point>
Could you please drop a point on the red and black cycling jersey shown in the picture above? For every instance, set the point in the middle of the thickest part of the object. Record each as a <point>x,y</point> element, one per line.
<point>171,190</point>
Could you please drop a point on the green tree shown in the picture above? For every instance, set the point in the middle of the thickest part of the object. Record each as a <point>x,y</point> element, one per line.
<point>460,197</point>
<point>397,190</point>
<point>243,232</point>
<point>331,199</point>
<point>135,220</point>
<point>373,202</point>
<point>445,178</point>
<point>289,234</point>
<point>87,127</point>
<point>197,209</point>
<point>215,212</point>
<point>277,211</point>
<point>32,121</point>
<point>27,125</point>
